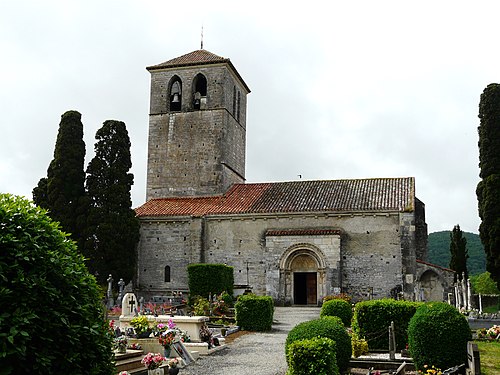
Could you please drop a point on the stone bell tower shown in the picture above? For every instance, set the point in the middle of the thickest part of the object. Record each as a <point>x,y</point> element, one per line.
<point>197,126</point>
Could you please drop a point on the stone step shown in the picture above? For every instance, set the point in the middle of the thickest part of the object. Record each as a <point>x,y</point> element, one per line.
<point>129,361</point>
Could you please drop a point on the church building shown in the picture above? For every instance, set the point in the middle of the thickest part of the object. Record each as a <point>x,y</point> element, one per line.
<point>296,241</point>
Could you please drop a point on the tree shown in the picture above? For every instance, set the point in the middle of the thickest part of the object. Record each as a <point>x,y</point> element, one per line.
<point>488,189</point>
<point>458,251</point>
<point>483,284</point>
<point>51,319</point>
<point>113,228</point>
<point>62,192</point>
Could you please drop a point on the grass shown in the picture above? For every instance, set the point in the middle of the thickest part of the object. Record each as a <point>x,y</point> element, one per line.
<point>489,352</point>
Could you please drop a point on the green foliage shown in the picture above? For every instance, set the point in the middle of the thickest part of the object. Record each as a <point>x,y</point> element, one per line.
<point>438,336</point>
<point>337,307</point>
<point>254,313</point>
<point>201,307</point>
<point>113,228</point>
<point>483,284</point>
<point>372,319</point>
<point>315,356</point>
<point>359,345</point>
<point>206,279</point>
<point>329,327</point>
<point>459,255</point>
<point>140,324</point>
<point>488,189</point>
<point>51,319</point>
<point>439,251</point>
<point>63,191</point>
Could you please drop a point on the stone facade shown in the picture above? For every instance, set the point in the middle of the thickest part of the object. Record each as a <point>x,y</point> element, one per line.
<point>295,241</point>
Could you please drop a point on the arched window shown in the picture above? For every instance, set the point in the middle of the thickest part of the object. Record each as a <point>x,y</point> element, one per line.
<point>199,92</point>
<point>176,94</point>
<point>167,274</point>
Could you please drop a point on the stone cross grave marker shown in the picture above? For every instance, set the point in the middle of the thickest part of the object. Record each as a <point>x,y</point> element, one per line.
<point>128,304</point>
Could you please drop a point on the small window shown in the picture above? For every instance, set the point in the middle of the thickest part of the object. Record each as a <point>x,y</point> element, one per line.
<point>239,107</point>
<point>176,95</point>
<point>234,101</point>
<point>200,92</point>
<point>167,274</point>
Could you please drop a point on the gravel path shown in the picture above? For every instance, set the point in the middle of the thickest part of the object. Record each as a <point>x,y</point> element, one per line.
<point>255,353</point>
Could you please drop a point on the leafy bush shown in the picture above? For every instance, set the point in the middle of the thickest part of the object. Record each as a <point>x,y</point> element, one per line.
<point>438,336</point>
<point>337,307</point>
<point>140,324</point>
<point>51,319</point>
<point>314,356</point>
<point>201,306</point>
<point>359,346</point>
<point>254,313</point>
<point>373,318</point>
<point>207,279</point>
<point>330,327</point>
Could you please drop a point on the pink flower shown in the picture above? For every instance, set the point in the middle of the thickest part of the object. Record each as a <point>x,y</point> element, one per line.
<point>171,324</point>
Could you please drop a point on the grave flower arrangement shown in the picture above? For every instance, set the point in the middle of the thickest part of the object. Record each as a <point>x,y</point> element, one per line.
<point>430,370</point>
<point>153,361</point>
<point>141,325</point>
<point>173,362</point>
<point>167,338</point>
<point>490,334</point>
<point>120,343</point>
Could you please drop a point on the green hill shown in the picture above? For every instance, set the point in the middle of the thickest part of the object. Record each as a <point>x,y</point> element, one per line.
<point>439,251</point>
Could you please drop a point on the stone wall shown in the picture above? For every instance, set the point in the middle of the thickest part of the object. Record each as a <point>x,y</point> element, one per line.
<point>365,259</point>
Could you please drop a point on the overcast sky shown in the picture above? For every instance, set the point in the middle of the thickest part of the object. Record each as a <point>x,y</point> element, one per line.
<point>340,89</point>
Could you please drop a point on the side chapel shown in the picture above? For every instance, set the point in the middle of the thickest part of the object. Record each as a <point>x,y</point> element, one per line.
<point>295,241</point>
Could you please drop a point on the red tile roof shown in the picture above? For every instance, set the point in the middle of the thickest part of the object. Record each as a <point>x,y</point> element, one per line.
<point>435,266</point>
<point>377,194</point>
<point>198,57</point>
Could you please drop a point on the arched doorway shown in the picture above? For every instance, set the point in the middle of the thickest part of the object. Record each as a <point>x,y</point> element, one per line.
<point>302,270</point>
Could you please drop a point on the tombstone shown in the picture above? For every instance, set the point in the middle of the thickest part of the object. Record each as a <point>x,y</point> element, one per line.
<point>473,359</point>
<point>392,342</point>
<point>469,304</point>
<point>480,305</point>
<point>128,304</point>
<point>141,303</point>
<point>109,294</point>
<point>121,284</point>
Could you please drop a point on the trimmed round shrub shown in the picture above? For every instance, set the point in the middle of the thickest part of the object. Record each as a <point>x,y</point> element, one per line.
<point>337,307</point>
<point>254,313</point>
<point>329,327</point>
<point>438,336</point>
<point>314,356</point>
<point>52,319</point>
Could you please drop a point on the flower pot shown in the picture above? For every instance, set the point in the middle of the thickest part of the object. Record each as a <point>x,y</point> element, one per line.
<point>143,335</point>
<point>166,352</point>
<point>173,370</point>
<point>122,349</point>
<point>156,371</point>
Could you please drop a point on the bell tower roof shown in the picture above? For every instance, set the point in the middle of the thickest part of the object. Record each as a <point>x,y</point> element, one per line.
<point>198,57</point>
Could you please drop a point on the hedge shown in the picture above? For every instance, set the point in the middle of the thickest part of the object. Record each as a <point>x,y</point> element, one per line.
<point>329,327</point>
<point>438,335</point>
<point>206,279</point>
<point>254,313</point>
<point>337,307</point>
<point>52,318</point>
<point>314,356</point>
<point>372,320</point>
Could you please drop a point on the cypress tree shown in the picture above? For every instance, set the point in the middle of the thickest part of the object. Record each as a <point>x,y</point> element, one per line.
<point>458,250</point>
<point>112,225</point>
<point>488,189</point>
<point>63,191</point>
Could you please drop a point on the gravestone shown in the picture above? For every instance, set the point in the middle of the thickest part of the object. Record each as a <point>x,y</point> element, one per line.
<point>129,303</point>
<point>109,294</point>
<point>121,285</point>
<point>474,367</point>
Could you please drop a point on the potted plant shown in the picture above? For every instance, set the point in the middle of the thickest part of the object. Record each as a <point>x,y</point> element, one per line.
<point>153,361</point>
<point>166,339</point>
<point>172,366</point>
<point>141,326</point>
<point>120,344</point>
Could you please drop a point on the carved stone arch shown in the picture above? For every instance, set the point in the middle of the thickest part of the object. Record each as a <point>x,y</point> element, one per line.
<point>290,254</point>
<point>175,94</point>
<point>302,266</point>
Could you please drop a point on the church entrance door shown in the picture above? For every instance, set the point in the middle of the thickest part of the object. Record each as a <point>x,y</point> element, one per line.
<point>305,288</point>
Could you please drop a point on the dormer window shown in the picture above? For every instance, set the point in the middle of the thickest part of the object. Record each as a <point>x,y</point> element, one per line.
<point>176,95</point>
<point>199,92</point>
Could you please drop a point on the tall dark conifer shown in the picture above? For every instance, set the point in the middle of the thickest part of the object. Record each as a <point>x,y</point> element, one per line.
<point>488,189</point>
<point>62,192</point>
<point>459,253</point>
<point>112,224</point>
